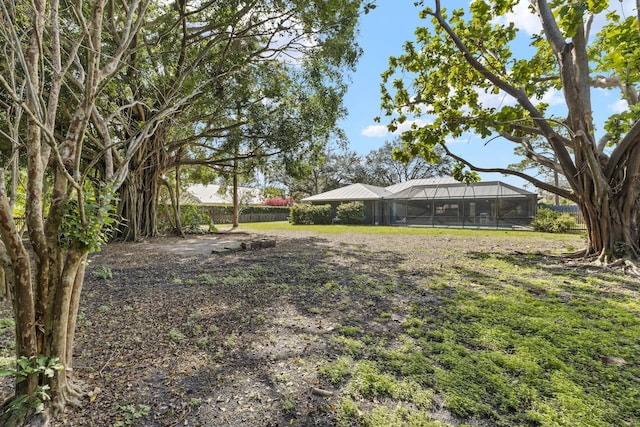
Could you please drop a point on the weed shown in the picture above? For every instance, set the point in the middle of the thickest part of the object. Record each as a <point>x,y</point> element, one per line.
<point>231,340</point>
<point>195,402</point>
<point>289,404</point>
<point>177,281</point>
<point>347,412</point>
<point>349,331</point>
<point>283,377</point>
<point>197,330</point>
<point>105,273</point>
<point>176,336</point>
<point>348,345</point>
<point>195,316</point>
<point>131,413</point>
<point>260,319</point>
<point>205,279</point>
<point>103,308</point>
<point>202,342</point>
<point>337,371</point>
<point>213,329</point>
<point>7,325</point>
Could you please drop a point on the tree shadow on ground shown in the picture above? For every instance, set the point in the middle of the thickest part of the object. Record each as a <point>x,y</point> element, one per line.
<point>243,338</point>
<point>231,339</point>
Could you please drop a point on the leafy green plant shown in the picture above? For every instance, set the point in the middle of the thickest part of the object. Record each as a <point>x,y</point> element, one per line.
<point>310,214</point>
<point>553,222</point>
<point>351,213</point>
<point>105,273</point>
<point>92,226</point>
<point>24,368</point>
<point>131,413</point>
<point>194,221</point>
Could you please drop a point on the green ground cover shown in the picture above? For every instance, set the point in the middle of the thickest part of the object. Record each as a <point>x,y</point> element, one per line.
<point>402,326</point>
<point>514,339</point>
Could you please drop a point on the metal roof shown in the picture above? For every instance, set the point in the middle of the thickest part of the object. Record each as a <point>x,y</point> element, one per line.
<point>354,192</point>
<point>211,194</point>
<point>425,181</point>
<point>478,190</point>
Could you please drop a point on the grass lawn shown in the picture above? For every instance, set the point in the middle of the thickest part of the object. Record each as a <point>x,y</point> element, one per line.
<point>399,326</point>
<point>518,340</point>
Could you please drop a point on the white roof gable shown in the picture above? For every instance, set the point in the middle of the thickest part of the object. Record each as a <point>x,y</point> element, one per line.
<point>354,192</point>
<point>209,194</point>
<point>425,181</point>
<point>488,189</point>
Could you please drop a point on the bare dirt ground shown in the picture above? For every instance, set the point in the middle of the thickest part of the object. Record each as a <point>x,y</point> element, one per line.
<point>236,339</point>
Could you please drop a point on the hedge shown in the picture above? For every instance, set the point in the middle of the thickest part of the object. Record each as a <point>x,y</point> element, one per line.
<point>351,213</point>
<point>310,214</point>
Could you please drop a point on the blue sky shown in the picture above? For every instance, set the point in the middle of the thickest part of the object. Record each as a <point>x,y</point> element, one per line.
<point>382,33</point>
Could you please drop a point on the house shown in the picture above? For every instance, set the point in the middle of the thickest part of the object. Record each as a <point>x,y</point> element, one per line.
<point>438,202</point>
<point>211,194</point>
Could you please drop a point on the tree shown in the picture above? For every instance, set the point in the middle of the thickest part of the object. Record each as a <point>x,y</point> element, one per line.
<point>272,72</point>
<point>58,58</point>
<point>381,168</point>
<point>466,53</point>
<point>323,172</point>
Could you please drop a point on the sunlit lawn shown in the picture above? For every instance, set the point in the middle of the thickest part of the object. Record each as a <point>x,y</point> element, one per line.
<point>469,336</point>
<point>396,230</point>
<point>507,338</point>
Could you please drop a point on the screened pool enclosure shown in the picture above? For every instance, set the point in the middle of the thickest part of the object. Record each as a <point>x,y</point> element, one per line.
<point>439,202</point>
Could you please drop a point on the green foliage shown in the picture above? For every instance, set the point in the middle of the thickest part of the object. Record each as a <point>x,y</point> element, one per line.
<point>131,413</point>
<point>99,222</point>
<point>194,221</point>
<point>26,367</point>
<point>177,336</point>
<point>351,213</point>
<point>7,325</point>
<point>550,221</point>
<point>105,273</point>
<point>310,214</point>
<point>337,371</point>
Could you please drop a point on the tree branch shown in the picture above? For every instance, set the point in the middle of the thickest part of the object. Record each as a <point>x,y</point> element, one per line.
<point>539,184</point>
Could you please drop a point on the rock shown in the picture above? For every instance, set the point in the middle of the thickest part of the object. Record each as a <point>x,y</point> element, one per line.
<point>615,361</point>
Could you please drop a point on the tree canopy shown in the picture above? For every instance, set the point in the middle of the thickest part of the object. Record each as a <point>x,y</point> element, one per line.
<point>460,54</point>
<point>100,100</point>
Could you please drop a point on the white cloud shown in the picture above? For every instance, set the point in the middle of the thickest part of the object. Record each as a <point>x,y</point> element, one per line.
<point>625,8</point>
<point>522,17</point>
<point>380,131</point>
<point>375,131</point>
<point>554,97</point>
<point>494,100</point>
<point>619,106</point>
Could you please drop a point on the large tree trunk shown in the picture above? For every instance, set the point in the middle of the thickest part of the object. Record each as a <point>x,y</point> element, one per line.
<point>140,192</point>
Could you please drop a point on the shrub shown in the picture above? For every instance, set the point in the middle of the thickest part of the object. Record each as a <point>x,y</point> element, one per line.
<point>279,201</point>
<point>351,213</point>
<point>553,222</point>
<point>310,214</point>
<point>193,220</point>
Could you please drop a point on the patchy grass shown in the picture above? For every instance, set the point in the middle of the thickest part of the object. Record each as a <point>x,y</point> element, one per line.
<point>396,230</point>
<point>510,340</point>
<point>417,327</point>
